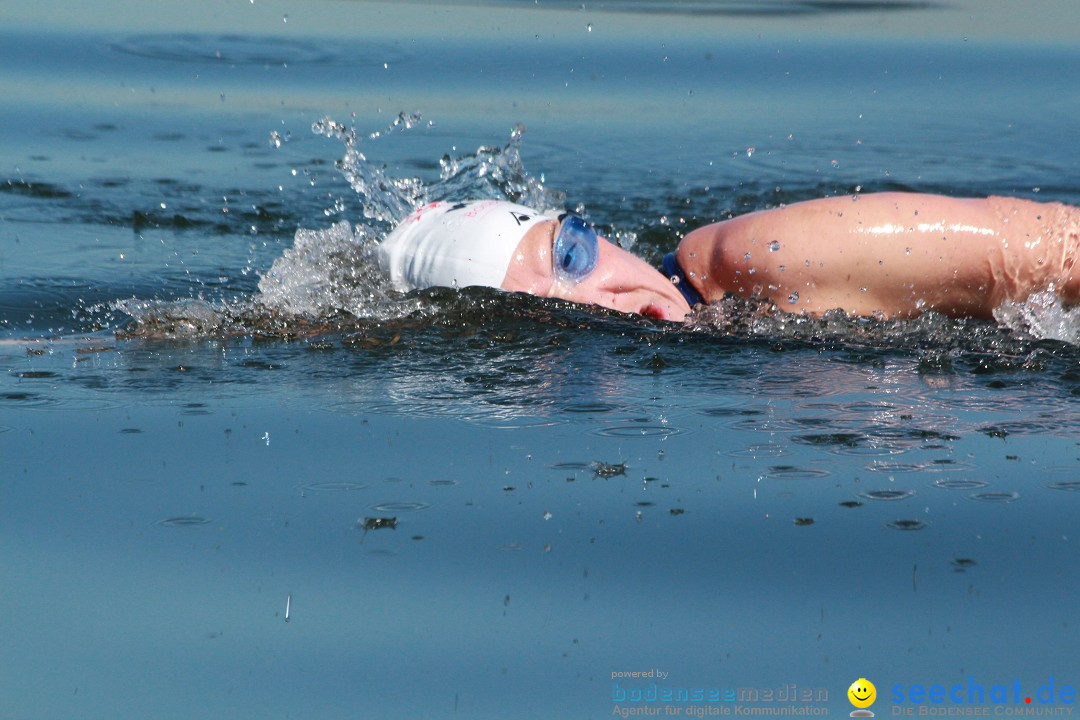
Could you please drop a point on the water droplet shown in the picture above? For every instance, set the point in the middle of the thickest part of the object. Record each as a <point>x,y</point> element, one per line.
<point>275,139</point>
<point>547,515</point>
<point>793,297</point>
<point>285,18</point>
<point>907,251</point>
<point>753,271</point>
<point>782,268</point>
<point>750,151</point>
<point>746,256</point>
<point>589,27</point>
<point>774,245</point>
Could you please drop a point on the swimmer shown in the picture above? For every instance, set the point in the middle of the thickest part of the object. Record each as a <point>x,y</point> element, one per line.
<point>889,254</point>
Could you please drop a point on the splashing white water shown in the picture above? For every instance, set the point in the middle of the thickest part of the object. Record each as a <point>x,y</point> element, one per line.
<point>328,271</point>
<point>385,199</point>
<point>1042,316</point>
<point>334,270</point>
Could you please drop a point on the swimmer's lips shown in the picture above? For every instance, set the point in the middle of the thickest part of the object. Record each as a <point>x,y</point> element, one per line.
<point>658,313</point>
<point>652,311</point>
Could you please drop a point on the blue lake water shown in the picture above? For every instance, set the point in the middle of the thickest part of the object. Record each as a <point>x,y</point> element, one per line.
<point>240,480</point>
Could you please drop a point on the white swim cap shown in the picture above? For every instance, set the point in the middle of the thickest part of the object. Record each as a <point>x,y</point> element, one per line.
<point>456,244</point>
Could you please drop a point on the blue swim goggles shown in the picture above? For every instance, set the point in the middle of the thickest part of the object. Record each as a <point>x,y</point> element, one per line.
<point>575,250</point>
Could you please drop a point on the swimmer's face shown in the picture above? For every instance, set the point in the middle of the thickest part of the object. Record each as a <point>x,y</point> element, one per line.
<point>619,280</point>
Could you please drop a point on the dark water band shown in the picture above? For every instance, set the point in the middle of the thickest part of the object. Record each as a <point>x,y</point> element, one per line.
<point>672,269</point>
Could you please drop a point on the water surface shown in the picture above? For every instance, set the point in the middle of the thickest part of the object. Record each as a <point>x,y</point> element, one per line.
<point>480,505</point>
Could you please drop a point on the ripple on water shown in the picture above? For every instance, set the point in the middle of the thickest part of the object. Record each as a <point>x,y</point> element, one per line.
<point>729,412</point>
<point>959,484</point>
<point>591,408</point>
<point>760,450</point>
<point>792,472</point>
<point>571,466</point>
<point>19,398</point>
<point>908,525</point>
<point>841,443</point>
<point>500,421</point>
<point>767,425</point>
<point>332,486</point>
<point>184,521</point>
<point>871,448</point>
<point>887,495</point>
<point>253,50</point>
<point>396,507</point>
<point>893,467</point>
<point>1066,485</point>
<point>995,497</point>
<point>638,431</point>
<point>946,465</point>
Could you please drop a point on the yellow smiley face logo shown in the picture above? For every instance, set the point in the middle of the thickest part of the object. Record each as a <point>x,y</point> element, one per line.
<point>862,693</point>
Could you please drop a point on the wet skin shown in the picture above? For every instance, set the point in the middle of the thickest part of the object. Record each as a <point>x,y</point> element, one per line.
<point>620,281</point>
<point>897,254</point>
<point>894,254</point>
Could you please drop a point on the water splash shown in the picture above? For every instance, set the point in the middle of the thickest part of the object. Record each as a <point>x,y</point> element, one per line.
<point>334,270</point>
<point>384,199</point>
<point>1041,316</point>
<point>497,173</point>
<point>331,271</point>
<point>940,340</point>
<point>330,276</point>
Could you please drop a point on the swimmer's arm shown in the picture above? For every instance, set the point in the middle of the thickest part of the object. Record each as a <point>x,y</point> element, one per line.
<point>893,253</point>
